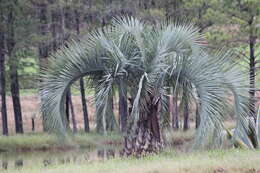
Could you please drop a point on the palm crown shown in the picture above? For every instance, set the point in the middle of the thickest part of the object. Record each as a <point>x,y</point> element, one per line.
<point>146,60</point>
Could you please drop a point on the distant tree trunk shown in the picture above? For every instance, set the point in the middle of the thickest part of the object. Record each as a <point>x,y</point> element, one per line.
<point>123,109</point>
<point>81,81</point>
<point>146,138</point>
<point>111,100</point>
<point>10,42</point>
<point>186,116</point>
<point>55,19</point>
<point>57,31</point>
<point>84,105</point>
<point>99,123</point>
<point>197,122</point>
<point>73,118</point>
<point>67,108</point>
<point>43,47</point>
<point>175,113</point>
<point>90,3</point>
<point>54,35</point>
<point>33,124</point>
<point>57,26</point>
<point>2,79</point>
<point>16,95</point>
<point>109,123</point>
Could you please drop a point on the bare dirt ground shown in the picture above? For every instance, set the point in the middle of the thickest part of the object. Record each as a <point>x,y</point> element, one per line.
<point>30,108</point>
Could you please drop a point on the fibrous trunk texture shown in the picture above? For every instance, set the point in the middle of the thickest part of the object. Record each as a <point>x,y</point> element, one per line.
<point>146,138</point>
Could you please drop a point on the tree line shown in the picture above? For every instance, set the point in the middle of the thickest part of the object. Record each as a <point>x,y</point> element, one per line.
<point>43,27</point>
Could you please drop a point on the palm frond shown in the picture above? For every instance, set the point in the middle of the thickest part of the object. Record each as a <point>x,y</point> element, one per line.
<point>147,60</point>
<point>65,67</point>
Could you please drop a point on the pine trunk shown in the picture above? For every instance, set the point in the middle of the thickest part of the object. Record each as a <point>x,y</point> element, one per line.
<point>122,110</point>
<point>107,123</point>
<point>84,106</point>
<point>55,19</point>
<point>111,123</point>
<point>43,49</point>
<point>67,108</point>
<point>186,117</point>
<point>99,122</point>
<point>81,81</point>
<point>73,118</point>
<point>10,42</point>
<point>16,96</point>
<point>175,113</point>
<point>2,81</point>
<point>197,122</point>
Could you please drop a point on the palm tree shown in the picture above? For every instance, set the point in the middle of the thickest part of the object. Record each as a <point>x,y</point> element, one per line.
<point>144,61</point>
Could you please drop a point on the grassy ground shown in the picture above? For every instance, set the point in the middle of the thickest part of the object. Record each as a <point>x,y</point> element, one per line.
<point>231,161</point>
<point>41,141</point>
<point>44,141</point>
<point>173,160</point>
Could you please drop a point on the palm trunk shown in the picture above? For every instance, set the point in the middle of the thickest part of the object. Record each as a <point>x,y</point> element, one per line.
<point>13,70</point>
<point>146,138</point>
<point>2,82</point>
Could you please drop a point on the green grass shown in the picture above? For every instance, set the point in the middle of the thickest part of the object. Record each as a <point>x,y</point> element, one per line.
<point>43,141</point>
<point>232,161</point>
<point>172,160</point>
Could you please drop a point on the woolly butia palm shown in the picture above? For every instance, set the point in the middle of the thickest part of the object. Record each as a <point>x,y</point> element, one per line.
<point>145,60</point>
